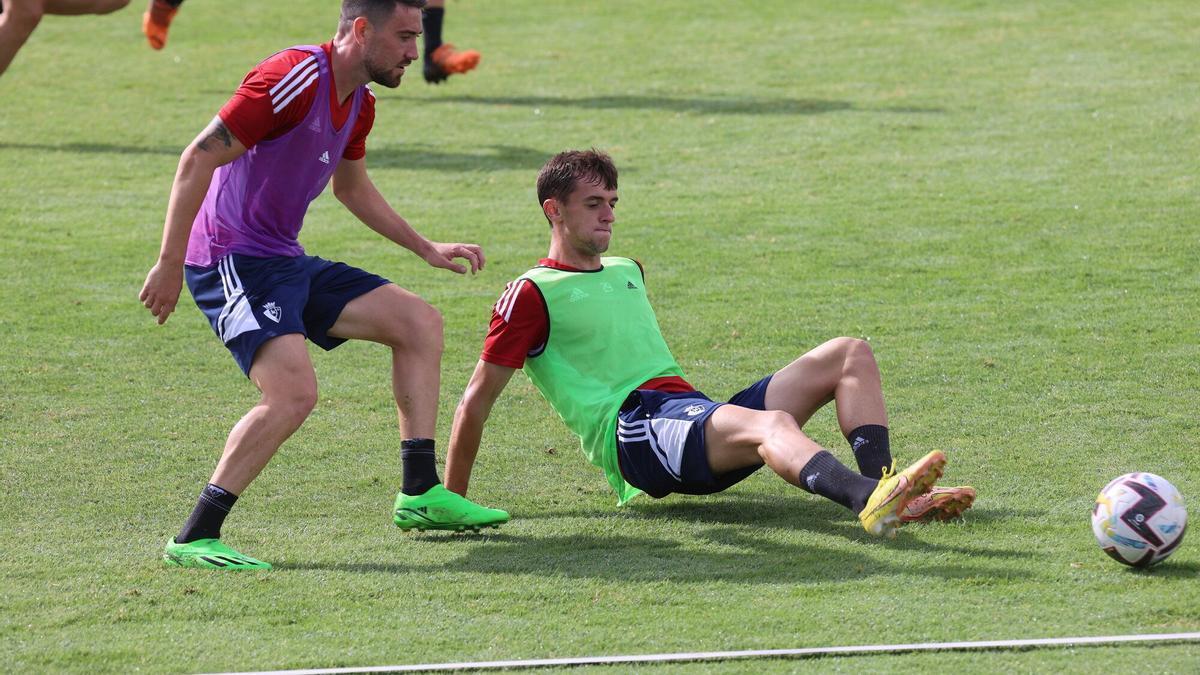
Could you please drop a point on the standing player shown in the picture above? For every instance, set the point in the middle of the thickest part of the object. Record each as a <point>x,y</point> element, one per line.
<point>239,198</point>
<point>19,18</point>
<point>582,328</point>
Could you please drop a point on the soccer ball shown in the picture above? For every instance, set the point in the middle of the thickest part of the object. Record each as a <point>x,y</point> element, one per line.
<point>1139,519</point>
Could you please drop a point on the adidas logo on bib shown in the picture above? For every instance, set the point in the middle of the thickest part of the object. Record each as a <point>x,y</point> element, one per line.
<point>324,157</point>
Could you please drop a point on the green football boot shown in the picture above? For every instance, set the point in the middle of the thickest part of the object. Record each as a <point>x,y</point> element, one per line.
<point>209,554</point>
<point>441,509</point>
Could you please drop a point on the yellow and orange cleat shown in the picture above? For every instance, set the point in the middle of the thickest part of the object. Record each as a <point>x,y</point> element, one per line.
<point>881,516</point>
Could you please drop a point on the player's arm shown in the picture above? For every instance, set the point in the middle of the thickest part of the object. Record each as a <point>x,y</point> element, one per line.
<point>354,188</point>
<point>487,382</point>
<point>214,147</point>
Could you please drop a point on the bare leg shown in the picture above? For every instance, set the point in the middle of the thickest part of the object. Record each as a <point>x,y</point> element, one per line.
<point>412,327</point>
<point>76,7</point>
<point>738,437</point>
<point>841,370</point>
<point>21,17</point>
<point>17,23</point>
<point>283,372</point>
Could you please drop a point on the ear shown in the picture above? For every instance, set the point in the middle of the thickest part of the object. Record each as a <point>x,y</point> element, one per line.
<point>359,29</point>
<point>550,207</point>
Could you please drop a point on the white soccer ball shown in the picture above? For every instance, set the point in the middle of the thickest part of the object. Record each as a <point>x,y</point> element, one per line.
<point>1139,519</point>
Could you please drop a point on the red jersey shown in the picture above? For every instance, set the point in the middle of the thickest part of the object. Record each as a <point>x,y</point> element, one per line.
<point>521,324</point>
<point>276,95</point>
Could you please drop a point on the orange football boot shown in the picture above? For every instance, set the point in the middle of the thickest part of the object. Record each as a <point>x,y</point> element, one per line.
<point>446,61</point>
<point>156,22</point>
<point>940,503</point>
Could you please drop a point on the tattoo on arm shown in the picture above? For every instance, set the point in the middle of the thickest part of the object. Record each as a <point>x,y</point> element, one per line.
<point>219,135</point>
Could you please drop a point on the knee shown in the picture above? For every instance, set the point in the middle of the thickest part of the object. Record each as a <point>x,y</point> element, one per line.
<point>856,348</point>
<point>776,423</point>
<point>849,352</point>
<point>419,328</point>
<point>294,404</point>
<point>775,430</point>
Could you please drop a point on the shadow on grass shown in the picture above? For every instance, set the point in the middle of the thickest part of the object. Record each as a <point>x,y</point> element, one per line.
<point>704,106</point>
<point>1169,570</point>
<point>771,511</point>
<point>94,148</point>
<point>402,156</point>
<point>725,554</point>
<point>486,158</point>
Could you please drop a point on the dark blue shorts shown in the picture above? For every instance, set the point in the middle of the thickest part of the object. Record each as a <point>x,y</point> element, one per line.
<point>660,440</point>
<point>251,300</point>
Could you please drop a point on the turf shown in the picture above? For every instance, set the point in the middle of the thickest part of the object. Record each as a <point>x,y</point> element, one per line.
<point>999,196</point>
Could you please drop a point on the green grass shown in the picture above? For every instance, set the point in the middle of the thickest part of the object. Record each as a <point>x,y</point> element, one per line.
<point>1000,196</point>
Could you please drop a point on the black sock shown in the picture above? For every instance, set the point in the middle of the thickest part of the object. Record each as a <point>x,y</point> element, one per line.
<point>431,24</point>
<point>419,465</point>
<point>871,449</point>
<point>825,476</point>
<point>206,519</point>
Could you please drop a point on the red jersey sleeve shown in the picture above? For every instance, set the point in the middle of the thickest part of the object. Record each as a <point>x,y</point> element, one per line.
<point>519,326</point>
<point>357,147</point>
<point>273,98</point>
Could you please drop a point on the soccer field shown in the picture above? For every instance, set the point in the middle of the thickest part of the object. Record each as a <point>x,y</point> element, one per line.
<point>1001,197</point>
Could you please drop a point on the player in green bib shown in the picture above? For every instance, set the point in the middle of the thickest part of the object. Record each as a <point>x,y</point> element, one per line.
<point>581,326</point>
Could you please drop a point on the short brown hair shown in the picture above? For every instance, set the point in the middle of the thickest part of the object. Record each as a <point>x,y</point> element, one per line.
<point>375,10</point>
<point>558,177</point>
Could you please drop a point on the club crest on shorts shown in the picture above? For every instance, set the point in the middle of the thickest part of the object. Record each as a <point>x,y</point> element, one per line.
<point>272,311</point>
<point>693,410</point>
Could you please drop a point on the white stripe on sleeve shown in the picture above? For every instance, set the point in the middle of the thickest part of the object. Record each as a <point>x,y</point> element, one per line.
<point>509,300</point>
<point>296,92</point>
<point>293,74</point>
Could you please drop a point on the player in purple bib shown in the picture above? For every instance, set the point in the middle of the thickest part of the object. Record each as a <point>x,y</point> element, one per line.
<point>237,205</point>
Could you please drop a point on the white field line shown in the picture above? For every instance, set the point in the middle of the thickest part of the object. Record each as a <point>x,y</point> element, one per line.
<point>748,654</point>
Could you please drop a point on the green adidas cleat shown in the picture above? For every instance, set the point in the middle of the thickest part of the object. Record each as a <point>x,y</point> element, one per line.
<point>441,509</point>
<point>209,554</point>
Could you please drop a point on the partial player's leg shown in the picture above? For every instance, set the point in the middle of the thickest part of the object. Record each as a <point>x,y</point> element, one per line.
<point>17,23</point>
<point>412,328</point>
<point>76,7</point>
<point>283,373</point>
<point>19,18</point>
<point>844,370</point>
<point>441,59</point>
<point>737,437</point>
<point>156,21</point>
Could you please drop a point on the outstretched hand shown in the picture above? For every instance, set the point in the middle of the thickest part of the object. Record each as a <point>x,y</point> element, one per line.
<point>443,255</point>
<point>161,291</point>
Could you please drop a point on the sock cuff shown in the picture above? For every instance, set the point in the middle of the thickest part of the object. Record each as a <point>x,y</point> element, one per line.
<point>867,431</point>
<point>822,462</point>
<point>218,496</point>
<point>417,444</point>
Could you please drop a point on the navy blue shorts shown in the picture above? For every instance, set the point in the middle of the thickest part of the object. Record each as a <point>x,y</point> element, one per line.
<point>660,440</point>
<point>251,300</point>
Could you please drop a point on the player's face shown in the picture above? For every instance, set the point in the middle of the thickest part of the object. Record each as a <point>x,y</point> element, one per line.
<point>588,216</point>
<point>391,46</point>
